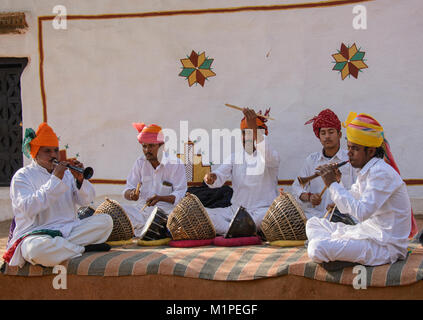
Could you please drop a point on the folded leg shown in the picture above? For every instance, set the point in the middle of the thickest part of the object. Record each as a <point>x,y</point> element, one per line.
<point>48,251</point>
<point>319,228</point>
<point>92,230</point>
<point>221,218</point>
<point>258,215</point>
<point>365,252</point>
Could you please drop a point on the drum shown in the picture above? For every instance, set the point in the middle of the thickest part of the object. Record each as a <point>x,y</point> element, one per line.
<point>122,226</point>
<point>337,216</point>
<point>155,227</point>
<point>242,225</point>
<point>284,220</point>
<point>189,220</point>
<point>85,212</point>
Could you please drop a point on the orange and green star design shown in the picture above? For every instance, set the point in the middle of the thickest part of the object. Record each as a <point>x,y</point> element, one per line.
<point>349,61</point>
<point>197,68</point>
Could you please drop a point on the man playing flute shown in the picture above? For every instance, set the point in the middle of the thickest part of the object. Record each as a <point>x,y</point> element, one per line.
<point>254,179</point>
<point>378,200</point>
<point>44,199</point>
<point>162,178</point>
<point>312,197</point>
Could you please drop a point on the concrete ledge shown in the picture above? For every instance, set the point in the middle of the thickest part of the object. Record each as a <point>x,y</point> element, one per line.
<point>160,287</point>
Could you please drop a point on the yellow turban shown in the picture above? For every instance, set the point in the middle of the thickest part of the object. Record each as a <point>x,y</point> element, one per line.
<point>364,130</point>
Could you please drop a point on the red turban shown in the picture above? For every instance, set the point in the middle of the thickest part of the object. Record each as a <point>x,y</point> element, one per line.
<point>259,120</point>
<point>325,119</point>
<point>149,134</point>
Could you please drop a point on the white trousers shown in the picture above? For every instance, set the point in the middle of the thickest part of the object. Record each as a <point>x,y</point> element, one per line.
<point>48,251</point>
<point>222,217</point>
<point>323,247</point>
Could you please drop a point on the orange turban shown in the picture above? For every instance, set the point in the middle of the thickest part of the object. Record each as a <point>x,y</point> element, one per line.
<point>259,120</point>
<point>44,137</point>
<point>149,134</point>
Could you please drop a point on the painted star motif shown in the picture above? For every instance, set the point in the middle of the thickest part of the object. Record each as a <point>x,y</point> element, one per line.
<point>196,68</point>
<point>349,61</point>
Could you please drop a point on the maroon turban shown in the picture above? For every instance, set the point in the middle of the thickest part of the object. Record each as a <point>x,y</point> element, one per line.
<point>326,119</point>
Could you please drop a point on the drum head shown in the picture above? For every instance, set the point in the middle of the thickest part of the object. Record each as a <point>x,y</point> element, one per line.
<point>85,212</point>
<point>155,227</point>
<point>242,225</point>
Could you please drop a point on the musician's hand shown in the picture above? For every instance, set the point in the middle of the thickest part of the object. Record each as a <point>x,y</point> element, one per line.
<point>133,195</point>
<point>327,172</point>
<point>210,178</point>
<point>59,170</point>
<point>315,199</point>
<point>153,200</point>
<point>330,206</point>
<point>250,117</point>
<point>338,174</point>
<point>77,175</point>
<point>305,197</point>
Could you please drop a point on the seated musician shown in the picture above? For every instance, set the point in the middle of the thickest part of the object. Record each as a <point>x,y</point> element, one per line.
<point>44,199</point>
<point>162,178</point>
<point>312,197</point>
<point>254,178</point>
<point>378,200</point>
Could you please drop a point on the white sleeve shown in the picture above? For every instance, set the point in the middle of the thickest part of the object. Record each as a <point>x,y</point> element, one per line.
<point>223,173</point>
<point>84,195</point>
<point>379,188</point>
<point>29,202</point>
<point>179,182</point>
<point>134,177</point>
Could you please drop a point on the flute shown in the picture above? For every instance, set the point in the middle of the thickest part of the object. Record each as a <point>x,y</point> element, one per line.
<point>86,172</point>
<point>304,180</point>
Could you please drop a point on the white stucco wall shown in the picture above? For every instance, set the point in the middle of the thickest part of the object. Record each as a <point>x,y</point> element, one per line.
<point>102,75</point>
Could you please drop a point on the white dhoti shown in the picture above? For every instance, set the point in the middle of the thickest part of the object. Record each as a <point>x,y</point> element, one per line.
<point>311,212</point>
<point>222,217</point>
<point>330,242</point>
<point>48,251</point>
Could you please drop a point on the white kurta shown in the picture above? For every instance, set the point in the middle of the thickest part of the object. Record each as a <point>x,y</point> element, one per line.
<point>254,182</point>
<point>40,200</point>
<point>380,202</point>
<point>171,170</point>
<point>317,185</point>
